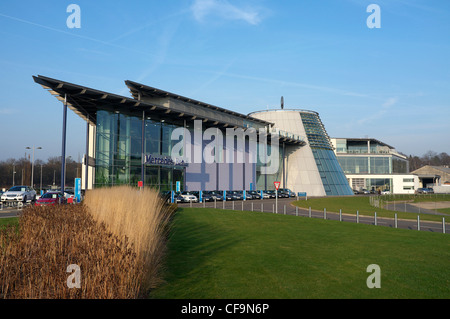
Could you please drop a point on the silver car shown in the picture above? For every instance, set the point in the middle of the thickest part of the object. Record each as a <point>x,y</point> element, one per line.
<point>19,194</point>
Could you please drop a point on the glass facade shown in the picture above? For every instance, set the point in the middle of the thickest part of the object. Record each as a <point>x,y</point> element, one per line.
<point>266,181</point>
<point>379,184</point>
<point>119,151</point>
<point>372,165</point>
<point>333,178</point>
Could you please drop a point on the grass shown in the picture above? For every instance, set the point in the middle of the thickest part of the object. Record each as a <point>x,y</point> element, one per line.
<point>444,210</point>
<point>219,254</point>
<point>352,204</point>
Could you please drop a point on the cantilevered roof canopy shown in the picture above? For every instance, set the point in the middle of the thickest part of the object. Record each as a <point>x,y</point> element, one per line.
<point>86,101</point>
<point>144,92</point>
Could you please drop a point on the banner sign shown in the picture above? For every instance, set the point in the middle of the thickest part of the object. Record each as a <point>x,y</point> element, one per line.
<point>78,189</point>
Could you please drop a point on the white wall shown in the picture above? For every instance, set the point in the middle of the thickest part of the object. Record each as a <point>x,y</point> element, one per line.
<point>302,174</point>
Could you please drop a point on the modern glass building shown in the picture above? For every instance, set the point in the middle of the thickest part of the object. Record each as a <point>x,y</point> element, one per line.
<point>373,165</point>
<point>134,139</point>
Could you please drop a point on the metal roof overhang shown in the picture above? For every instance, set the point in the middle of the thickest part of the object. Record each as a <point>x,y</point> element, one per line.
<point>139,90</point>
<point>86,101</point>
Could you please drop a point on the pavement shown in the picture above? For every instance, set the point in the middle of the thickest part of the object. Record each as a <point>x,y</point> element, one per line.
<point>285,207</point>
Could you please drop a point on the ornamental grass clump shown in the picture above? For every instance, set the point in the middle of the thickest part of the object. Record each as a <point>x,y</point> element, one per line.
<point>119,254</point>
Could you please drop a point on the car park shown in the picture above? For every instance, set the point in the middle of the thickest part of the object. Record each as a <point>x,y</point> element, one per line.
<point>51,198</point>
<point>18,194</point>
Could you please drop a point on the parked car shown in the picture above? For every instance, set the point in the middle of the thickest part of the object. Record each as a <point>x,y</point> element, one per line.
<point>271,194</point>
<point>425,191</point>
<point>238,195</point>
<point>385,192</point>
<point>189,197</point>
<point>356,192</point>
<point>252,195</point>
<point>266,195</point>
<point>217,195</point>
<point>51,198</point>
<point>364,191</point>
<point>255,194</point>
<point>287,191</point>
<point>19,194</point>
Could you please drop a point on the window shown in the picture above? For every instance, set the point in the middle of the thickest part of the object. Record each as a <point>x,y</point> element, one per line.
<point>408,180</point>
<point>408,188</point>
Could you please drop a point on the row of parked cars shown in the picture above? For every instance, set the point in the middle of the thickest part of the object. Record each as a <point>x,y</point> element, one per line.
<point>373,191</point>
<point>210,196</point>
<point>25,194</point>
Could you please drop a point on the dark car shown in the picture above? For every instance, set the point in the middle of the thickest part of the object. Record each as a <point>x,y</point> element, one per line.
<point>271,194</point>
<point>287,191</point>
<point>207,197</point>
<point>238,195</point>
<point>255,194</point>
<point>217,195</point>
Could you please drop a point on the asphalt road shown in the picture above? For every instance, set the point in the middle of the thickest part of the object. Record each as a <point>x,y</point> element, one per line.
<point>285,207</point>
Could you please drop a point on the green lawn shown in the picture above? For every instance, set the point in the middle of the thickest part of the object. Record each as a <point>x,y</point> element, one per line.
<point>6,221</point>
<point>218,254</point>
<point>351,204</point>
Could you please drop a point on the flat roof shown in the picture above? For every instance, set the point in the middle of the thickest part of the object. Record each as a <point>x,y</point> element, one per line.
<point>363,139</point>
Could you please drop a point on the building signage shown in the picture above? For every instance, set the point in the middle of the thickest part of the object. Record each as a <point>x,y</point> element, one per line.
<point>151,159</point>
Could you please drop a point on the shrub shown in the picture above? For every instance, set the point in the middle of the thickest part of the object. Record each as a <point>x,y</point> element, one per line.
<point>119,246</point>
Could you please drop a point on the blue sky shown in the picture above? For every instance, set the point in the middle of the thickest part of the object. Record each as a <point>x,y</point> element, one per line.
<point>391,83</point>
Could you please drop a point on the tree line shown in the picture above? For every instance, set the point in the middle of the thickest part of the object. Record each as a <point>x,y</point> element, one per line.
<point>19,171</point>
<point>429,158</point>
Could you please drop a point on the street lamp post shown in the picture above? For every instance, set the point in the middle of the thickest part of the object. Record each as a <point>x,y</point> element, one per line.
<point>32,163</point>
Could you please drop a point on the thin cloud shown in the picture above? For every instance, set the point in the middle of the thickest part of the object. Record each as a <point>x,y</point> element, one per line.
<point>385,107</point>
<point>225,10</point>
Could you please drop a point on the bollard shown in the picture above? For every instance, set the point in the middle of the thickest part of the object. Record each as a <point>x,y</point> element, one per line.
<point>252,206</point>
<point>443,225</point>
<point>340,215</point>
<point>395,220</point>
<point>285,209</point>
<point>190,203</point>
<point>233,205</point>
<point>357,217</point>
<point>296,210</point>
<point>242,205</point>
<point>418,222</point>
<point>215,203</point>
<point>204,203</point>
<point>262,207</point>
<point>310,212</point>
<point>375,218</point>
<point>273,208</point>
<point>324,213</point>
